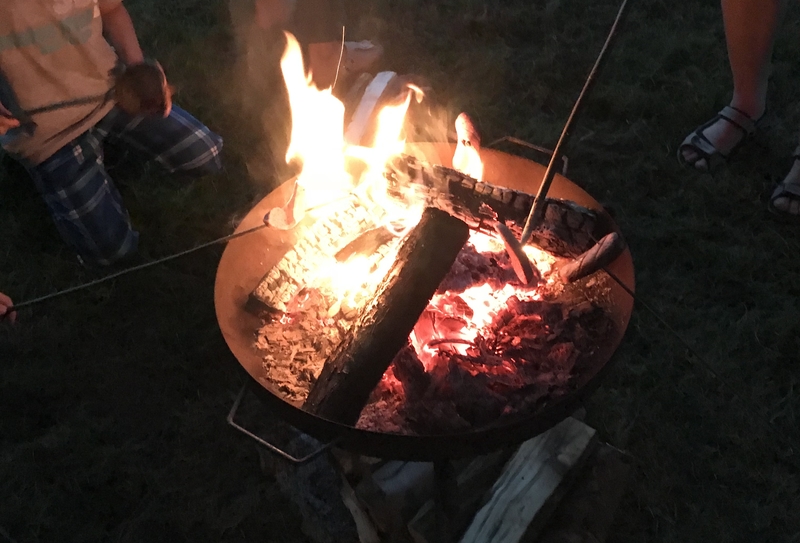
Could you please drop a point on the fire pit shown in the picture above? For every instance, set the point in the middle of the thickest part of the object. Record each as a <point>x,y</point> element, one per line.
<point>247,259</point>
<point>390,307</point>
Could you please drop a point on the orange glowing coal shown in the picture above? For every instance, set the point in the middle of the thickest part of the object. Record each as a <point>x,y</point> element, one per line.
<point>452,320</point>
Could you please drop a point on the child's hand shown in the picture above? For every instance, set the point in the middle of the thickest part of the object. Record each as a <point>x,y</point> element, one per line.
<point>7,121</point>
<point>5,305</point>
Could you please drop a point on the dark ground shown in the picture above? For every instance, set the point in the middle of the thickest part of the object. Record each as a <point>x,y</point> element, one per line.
<point>114,401</point>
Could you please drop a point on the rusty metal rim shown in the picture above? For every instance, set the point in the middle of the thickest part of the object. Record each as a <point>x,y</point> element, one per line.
<point>246,259</point>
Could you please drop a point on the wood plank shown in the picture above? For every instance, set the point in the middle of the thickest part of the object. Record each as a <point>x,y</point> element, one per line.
<point>566,229</point>
<point>315,490</point>
<point>529,482</point>
<point>318,240</point>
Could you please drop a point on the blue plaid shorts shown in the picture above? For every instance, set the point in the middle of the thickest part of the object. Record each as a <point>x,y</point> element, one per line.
<point>86,206</point>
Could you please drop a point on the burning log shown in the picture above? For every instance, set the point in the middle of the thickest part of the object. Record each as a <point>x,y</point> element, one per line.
<point>567,228</point>
<point>354,369</point>
<point>317,239</point>
<point>411,373</point>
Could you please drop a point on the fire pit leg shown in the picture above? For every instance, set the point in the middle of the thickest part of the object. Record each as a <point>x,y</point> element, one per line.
<point>444,499</point>
<point>269,446</point>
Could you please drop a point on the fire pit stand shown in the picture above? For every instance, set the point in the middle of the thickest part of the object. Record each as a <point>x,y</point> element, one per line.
<point>561,482</point>
<point>444,498</point>
<point>275,449</point>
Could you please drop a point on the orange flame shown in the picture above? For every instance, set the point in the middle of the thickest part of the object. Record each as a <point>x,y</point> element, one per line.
<point>317,132</point>
<point>318,144</point>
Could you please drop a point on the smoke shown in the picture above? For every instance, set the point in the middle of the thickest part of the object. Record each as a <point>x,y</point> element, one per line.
<point>261,93</point>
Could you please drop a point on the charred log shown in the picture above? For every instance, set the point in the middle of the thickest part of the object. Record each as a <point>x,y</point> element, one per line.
<point>382,328</point>
<point>409,370</point>
<point>567,228</point>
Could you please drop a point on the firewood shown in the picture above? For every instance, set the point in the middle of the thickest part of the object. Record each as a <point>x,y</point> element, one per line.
<point>408,369</point>
<point>472,482</point>
<point>382,328</point>
<point>533,481</point>
<point>394,492</point>
<point>314,488</point>
<point>567,228</point>
<point>367,533</point>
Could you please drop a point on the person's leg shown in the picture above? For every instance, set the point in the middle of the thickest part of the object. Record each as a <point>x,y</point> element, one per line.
<point>785,199</point>
<point>323,63</point>
<point>85,205</point>
<point>319,26</point>
<point>750,27</point>
<point>178,142</point>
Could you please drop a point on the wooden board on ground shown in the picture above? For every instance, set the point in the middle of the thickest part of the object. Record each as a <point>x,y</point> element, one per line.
<point>531,484</point>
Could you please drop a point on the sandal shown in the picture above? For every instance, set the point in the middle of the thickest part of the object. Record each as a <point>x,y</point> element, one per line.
<point>705,150</point>
<point>786,190</point>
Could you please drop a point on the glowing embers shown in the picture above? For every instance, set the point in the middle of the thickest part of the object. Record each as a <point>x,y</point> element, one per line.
<point>474,292</point>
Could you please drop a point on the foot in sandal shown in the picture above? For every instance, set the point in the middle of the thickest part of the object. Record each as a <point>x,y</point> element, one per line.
<point>712,143</point>
<point>785,199</point>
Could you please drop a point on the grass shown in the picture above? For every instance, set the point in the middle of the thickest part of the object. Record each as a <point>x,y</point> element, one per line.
<point>114,400</point>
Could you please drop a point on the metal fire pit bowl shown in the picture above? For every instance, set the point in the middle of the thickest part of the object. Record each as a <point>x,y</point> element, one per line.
<point>247,259</point>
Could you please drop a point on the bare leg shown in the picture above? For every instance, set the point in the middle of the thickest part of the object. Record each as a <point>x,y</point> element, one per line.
<point>323,62</point>
<point>750,27</point>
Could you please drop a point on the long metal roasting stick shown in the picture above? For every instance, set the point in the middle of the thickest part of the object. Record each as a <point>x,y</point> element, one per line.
<point>132,269</point>
<point>140,267</point>
<point>539,203</point>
